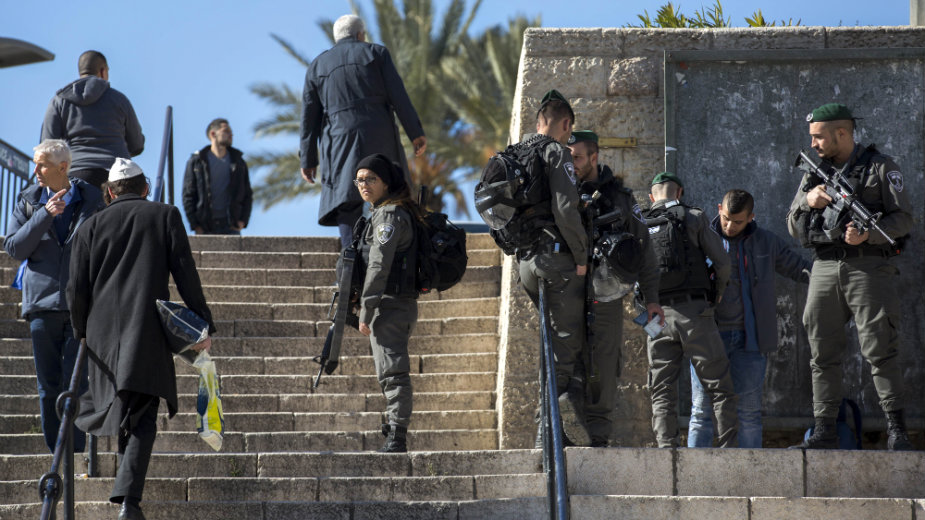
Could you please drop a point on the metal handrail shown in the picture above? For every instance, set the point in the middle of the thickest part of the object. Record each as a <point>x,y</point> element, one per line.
<point>14,177</point>
<point>52,485</point>
<point>166,157</point>
<point>553,445</point>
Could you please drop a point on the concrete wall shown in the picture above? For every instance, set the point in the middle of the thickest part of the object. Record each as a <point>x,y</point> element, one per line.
<point>614,79</point>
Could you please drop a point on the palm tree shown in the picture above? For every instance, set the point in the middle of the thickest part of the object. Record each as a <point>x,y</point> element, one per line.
<point>670,17</point>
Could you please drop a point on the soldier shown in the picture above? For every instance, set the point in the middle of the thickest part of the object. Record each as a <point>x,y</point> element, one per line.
<point>389,300</point>
<point>683,243</point>
<point>852,276</point>
<point>622,253</point>
<point>746,315</point>
<point>558,255</point>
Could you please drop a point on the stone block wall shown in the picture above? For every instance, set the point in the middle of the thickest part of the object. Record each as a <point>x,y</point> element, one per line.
<point>614,80</point>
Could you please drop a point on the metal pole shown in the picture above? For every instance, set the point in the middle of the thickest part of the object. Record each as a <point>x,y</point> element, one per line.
<point>67,469</point>
<point>170,161</point>
<point>554,416</point>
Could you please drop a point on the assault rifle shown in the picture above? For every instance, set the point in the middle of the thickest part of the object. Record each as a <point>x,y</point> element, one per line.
<point>342,312</point>
<point>844,200</point>
<point>593,375</point>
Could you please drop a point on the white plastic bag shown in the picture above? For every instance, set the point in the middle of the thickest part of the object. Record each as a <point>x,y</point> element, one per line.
<point>210,418</point>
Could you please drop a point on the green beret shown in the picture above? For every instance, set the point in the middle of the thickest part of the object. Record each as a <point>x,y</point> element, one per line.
<point>830,112</point>
<point>582,136</point>
<point>667,177</point>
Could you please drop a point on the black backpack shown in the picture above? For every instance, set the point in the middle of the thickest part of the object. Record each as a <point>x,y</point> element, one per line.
<point>682,268</point>
<point>441,250</point>
<point>510,191</point>
<point>441,253</point>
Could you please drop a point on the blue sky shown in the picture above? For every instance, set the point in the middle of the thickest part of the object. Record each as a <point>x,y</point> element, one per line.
<point>200,56</point>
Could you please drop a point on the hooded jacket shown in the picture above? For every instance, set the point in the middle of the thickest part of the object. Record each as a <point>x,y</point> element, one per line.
<point>765,254</point>
<point>97,121</point>
<point>31,236</point>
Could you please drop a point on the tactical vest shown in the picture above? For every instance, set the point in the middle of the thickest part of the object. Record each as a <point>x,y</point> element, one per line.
<point>401,282</point>
<point>682,267</point>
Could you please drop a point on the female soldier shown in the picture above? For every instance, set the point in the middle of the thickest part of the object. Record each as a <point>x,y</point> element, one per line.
<point>389,306</point>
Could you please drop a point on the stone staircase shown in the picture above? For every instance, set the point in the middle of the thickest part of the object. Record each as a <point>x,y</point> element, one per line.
<point>290,453</point>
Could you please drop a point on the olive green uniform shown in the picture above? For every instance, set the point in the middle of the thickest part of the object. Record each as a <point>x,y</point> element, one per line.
<point>691,330</point>
<point>855,282</point>
<point>606,339</point>
<point>552,260</point>
<point>389,304</point>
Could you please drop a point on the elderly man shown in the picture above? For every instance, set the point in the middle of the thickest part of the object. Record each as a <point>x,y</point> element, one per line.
<point>45,218</point>
<point>112,296</point>
<point>350,93</point>
<point>217,196</point>
<point>97,121</point>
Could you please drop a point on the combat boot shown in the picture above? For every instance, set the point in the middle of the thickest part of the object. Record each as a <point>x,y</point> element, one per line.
<point>824,437</point>
<point>571,408</point>
<point>395,439</point>
<point>897,438</point>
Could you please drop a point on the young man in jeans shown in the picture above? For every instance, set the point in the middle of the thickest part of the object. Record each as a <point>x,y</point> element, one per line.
<point>746,315</point>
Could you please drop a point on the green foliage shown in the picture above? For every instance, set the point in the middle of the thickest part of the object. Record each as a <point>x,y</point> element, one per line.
<point>670,17</point>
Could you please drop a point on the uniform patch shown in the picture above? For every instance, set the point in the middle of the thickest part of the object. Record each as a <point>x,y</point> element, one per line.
<point>384,233</point>
<point>896,180</point>
<point>726,245</point>
<point>654,229</point>
<point>637,213</point>
<point>570,170</point>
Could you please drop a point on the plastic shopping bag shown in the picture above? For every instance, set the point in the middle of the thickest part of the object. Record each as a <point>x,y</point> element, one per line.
<point>210,419</point>
<point>182,327</point>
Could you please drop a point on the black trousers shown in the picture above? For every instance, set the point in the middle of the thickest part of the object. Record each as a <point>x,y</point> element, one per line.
<point>94,176</point>
<point>136,440</point>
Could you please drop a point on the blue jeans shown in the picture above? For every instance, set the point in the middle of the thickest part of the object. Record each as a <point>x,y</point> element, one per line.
<point>747,369</point>
<point>55,352</point>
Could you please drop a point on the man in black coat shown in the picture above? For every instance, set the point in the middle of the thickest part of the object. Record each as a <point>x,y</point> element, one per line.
<point>351,91</point>
<point>121,262</point>
<point>217,195</point>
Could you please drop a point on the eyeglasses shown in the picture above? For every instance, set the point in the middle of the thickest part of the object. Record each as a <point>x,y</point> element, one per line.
<point>369,181</point>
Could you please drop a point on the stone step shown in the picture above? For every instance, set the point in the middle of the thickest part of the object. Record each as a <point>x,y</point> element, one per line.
<point>302,277</point>
<point>423,401</point>
<point>513,509</point>
<point>288,384</point>
<point>465,308</point>
<point>11,310</point>
<point>353,345</point>
<point>305,260</point>
<point>238,442</point>
<point>300,243</point>
<point>245,328</point>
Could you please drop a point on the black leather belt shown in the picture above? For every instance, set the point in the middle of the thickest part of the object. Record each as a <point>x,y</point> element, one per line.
<point>842,253</point>
<point>684,298</point>
<point>550,248</point>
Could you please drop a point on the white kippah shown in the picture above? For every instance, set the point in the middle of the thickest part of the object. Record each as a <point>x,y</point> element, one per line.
<point>124,169</point>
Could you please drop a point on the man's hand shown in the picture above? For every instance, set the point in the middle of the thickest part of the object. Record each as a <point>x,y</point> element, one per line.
<point>420,146</point>
<point>817,198</point>
<point>364,329</point>
<point>853,237</point>
<point>55,206</point>
<point>654,309</point>
<point>239,226</point>
<point>309,175</point>
<point>205,344</point>
<point>581,270</point>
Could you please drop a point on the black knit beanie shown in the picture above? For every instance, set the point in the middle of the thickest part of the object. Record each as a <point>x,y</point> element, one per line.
<point>390,172</point>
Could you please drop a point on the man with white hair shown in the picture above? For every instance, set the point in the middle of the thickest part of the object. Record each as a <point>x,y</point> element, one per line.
<point>45,218</point>
<point>351,91</point>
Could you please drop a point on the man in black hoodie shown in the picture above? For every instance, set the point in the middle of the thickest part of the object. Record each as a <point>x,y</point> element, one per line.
<point>97,121</point>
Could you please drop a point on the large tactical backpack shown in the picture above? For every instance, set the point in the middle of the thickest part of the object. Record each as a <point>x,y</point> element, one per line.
<point>682,268</point>
<point>441,253</point>
<point>510,191</point>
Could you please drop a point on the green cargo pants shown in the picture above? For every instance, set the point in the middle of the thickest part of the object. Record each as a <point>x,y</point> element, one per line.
<point>391,327</point>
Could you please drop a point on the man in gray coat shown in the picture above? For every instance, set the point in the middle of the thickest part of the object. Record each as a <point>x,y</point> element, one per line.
<point>111,296</point>
<point>351,91</point>
<point>96,120</point>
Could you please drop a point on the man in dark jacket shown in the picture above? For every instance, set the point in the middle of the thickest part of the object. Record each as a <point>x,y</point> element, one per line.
<point>41,233</point>
<point>217,194</point>
<point>613,273</point>
<point>351,91</point>
<point>112,296</point>
<point>746,315</point>
<point>97,121</point>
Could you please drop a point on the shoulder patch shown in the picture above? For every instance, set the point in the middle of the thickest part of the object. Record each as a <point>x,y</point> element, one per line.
<point>637,213</point>
<point>570,170</point>
<point>384,233</point>
<point>896,180</point>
